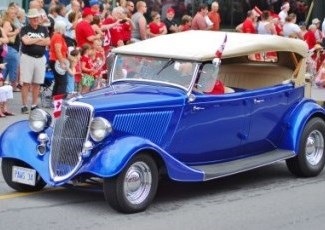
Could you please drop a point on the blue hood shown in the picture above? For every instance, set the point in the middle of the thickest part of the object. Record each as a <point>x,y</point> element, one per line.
<point>134,95</point>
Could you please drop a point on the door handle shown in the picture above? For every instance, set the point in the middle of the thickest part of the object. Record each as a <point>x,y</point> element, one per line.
<point>258,101</point>
<point>198,108</point>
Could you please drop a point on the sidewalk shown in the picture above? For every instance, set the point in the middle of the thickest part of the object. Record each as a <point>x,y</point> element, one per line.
<point>14,106</point>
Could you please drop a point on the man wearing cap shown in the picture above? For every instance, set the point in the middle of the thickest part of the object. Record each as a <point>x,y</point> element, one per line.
<point>84,32</point>
<point>169,21</point>
<point>34,39</point>
<point>94,6</point>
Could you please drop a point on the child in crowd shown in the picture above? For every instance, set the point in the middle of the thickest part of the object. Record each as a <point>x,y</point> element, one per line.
<point>320,78</point>
<point>87,68</point>
<point>186,23</point>
<point>99,63</point>
<point>74,58</point>
<point>6,92</point>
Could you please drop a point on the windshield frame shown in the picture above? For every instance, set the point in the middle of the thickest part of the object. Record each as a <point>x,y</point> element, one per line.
<point>188,89</point>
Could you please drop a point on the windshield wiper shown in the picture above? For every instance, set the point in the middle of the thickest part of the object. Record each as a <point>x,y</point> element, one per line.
<point>168,63</point>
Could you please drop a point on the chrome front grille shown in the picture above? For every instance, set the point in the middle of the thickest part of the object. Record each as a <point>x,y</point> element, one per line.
<point>70,133</point>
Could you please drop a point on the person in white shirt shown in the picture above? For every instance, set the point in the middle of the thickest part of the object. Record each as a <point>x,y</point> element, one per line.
<point>291,29</point>
<point>284,12</point>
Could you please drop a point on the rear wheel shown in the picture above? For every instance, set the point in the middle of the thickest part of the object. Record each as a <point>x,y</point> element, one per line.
<point>7,167</point>
<point>311,157</point>
<point>135,187</point>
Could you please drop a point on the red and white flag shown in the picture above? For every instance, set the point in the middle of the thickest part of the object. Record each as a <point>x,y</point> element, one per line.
<point>57,101</point>
<point>221,48</point>
<point>257,11</point>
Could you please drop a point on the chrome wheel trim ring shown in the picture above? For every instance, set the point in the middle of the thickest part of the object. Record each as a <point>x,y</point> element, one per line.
<point>314,147</point>
<point>137,182</point>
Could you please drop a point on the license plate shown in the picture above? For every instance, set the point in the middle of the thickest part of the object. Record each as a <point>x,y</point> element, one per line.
<point>24,175</point>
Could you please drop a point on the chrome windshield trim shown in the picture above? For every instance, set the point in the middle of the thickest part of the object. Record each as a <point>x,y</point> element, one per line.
<point>152,81</point>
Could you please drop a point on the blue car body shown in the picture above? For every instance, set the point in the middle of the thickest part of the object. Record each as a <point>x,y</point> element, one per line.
<point>160,119</point>
<point>175,111</point>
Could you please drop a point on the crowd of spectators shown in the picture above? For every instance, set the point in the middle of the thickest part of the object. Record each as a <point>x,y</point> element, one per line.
<point>77,39</point>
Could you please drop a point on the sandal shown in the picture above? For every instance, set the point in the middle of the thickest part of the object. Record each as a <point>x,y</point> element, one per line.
<point>6,113</point>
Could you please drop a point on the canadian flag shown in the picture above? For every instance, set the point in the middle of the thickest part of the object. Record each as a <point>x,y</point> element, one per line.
<point>57,101</point>
<point>221,48</point>
<point>257,11</point>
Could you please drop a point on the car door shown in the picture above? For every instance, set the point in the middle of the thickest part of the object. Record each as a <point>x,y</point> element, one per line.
<point>212,128</point>
<point>268,107</point>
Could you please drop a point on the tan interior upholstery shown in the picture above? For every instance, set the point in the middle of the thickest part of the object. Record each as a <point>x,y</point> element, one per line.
<point>253,76</point>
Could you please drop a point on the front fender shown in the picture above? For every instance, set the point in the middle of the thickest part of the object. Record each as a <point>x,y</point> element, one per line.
<point>296,121</point>
<point>112,159</point>
<point>19,142</point>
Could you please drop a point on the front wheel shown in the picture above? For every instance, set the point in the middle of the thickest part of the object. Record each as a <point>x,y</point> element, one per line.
<point>311,157</point>
<point>7,167</point>
<point>135,187</point>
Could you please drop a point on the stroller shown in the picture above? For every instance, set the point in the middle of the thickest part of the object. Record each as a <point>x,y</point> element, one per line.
<point>46,87</point>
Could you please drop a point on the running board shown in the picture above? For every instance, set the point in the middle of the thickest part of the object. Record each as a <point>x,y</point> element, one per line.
<point>213,171</point>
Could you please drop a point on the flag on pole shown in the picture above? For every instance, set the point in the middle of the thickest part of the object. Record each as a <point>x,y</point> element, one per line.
<point>219,52</point>
<point>257,11</point>
<point>57,101</point>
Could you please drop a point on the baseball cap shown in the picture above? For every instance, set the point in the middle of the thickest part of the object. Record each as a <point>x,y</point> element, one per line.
<point>170,11</point>
<point>87,11</point>
<point>93,2</point>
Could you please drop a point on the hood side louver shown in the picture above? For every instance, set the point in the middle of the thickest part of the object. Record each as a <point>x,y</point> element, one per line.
<point>150,125</point>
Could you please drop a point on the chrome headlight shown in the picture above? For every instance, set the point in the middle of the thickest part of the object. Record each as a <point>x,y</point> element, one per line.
<point>100,128</point>
<point>39,120</point>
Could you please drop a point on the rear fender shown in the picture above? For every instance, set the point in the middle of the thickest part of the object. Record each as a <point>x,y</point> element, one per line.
<point>112,159</point>
<point>296,121</point>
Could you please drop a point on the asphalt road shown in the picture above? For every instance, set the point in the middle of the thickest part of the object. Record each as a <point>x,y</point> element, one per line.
<point>266,198</point>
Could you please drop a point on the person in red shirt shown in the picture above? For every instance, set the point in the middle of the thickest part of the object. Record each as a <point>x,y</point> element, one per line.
<point>249,23</point>
<point>199,21</point>
<point>127,27</point>
<point>156,27</point>
<point>87,68</point>
<point>186,23</point>
<point>84,32</point>
<point>113,26</point>
<point>215,16</point>
<point>99,63</point>
<point>58,54</point>
<point>310,37</point>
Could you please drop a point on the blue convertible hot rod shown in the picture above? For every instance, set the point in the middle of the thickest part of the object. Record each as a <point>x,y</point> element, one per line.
<point>179,106</point>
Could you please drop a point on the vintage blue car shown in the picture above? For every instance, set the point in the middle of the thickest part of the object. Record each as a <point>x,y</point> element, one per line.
<point>172,108</point>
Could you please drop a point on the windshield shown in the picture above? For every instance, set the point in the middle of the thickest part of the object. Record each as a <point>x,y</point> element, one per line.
<point>151,69</point>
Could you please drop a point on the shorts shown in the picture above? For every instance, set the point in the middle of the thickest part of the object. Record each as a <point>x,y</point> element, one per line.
<point>32,70</point>
<point>87,80</point>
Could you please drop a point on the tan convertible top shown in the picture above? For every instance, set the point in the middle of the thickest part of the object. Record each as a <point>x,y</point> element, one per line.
<point>202,45</point>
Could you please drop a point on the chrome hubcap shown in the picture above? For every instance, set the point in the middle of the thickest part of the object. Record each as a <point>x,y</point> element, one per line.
<point>137,182</point>
<point>314,147</point>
